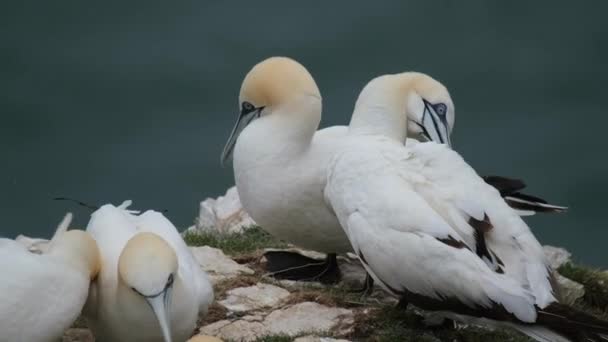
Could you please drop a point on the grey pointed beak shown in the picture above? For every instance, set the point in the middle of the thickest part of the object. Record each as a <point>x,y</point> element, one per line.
<point>434,126</point>
<point>245,118</point>
<point>161,305</point>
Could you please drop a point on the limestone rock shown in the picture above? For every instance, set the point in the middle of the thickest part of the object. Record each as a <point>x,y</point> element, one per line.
<point>224,215</point>
<point>292,320</point>
<point>309,317</point>
<point>78,335</point>
<point>255,297</point>
<point>241,330</point>
<point>556,256</point>
<point>217,265</point>
<point>204,338</point>
<point>569,290</point>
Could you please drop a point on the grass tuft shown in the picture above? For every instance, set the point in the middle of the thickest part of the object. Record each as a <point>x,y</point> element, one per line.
<point>389,324</point>
<point>594,281</point>
<point>275,338</point>
<point>251,240</point>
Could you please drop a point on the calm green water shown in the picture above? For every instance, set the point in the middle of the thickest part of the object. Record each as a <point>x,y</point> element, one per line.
<point>111,101</point>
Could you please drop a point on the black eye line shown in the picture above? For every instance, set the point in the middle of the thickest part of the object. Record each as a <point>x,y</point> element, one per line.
<point>169,281</point>
<point>167,285</point>
<point>247,108</point>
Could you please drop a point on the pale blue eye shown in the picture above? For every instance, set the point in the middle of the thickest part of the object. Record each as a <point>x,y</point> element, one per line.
<point>247,107</point>
<point>440,108</point>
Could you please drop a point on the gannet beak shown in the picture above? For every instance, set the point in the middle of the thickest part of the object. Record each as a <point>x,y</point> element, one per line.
<point>245,118</point>
<point>434,126</point>
<point>160,305</point>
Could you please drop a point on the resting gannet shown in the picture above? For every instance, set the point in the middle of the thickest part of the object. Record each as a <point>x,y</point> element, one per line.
<point>41,295</point>
<point>150,287</point>
<point>279,162</point>
<point>428,229</point>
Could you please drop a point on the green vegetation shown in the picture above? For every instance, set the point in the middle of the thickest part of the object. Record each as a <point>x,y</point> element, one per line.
<point>595,283</point>
<point>251,240</point>
<point>389,324</point>
<point>275,338</point>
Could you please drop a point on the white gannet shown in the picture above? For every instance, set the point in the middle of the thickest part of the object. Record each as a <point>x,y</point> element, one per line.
<point>150,287</point>
<point>279,162</point>
<point>431,231</point>
<point>41,295</point>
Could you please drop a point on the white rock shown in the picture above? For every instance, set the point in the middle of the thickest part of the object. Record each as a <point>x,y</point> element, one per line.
<point>217,265</point>
<point>306,317</point>
<point>242,330</point>
<point>224,214</point>
<point>255,297</point>
<point>33,245</point>
<point>309,317</point>
<point>569,290</point>
<point>556,256</point>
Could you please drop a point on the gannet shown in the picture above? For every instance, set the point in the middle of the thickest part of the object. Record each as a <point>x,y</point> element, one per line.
<point>428,229</point>
<point>279,162</point>
<point>41,295</point>
<point>150,287</point>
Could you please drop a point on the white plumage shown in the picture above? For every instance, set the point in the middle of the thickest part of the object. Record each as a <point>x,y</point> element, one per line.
<point>41,295</point>
<point>405,211</point>
<point>116,312</point>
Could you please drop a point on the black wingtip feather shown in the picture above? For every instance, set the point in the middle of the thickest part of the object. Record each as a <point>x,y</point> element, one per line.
<point>573,324</point>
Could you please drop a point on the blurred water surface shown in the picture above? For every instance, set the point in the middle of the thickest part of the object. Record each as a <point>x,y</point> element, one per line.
<point>124,100</point>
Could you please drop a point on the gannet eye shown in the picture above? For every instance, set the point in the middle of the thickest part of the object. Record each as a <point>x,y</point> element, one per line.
<point>169,281</point>
<point>247,107</point>
<point>440,108</point>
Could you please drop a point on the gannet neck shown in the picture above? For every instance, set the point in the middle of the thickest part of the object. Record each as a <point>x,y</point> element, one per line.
<point>380,110</point>
<point>78,249</point>
<point>295,122</point>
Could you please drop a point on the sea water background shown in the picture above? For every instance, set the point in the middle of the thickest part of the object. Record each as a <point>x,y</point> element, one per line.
<point>134,100</point>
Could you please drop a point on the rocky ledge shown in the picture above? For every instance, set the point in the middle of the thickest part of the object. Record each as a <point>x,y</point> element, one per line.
<point>250,306</point>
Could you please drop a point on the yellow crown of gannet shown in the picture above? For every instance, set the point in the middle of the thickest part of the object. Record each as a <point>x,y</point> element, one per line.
<point>276,81</point>
<point>42,295</point>
<point>275,85</point>
<point>434,233</point>
<point>147,264</point>
<point>149,288</point>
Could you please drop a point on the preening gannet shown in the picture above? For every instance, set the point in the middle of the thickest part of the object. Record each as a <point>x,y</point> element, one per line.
<point>41,295</point>
<point>150,287</point>
<point>431,231</point>
<point>279,161</point>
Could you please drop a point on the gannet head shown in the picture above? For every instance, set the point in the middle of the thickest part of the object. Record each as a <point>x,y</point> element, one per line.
<point>269,85</point>
<point>78,248</point>
<point>409,100</point>
<point>148,266</point>
<point>429,107</point>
